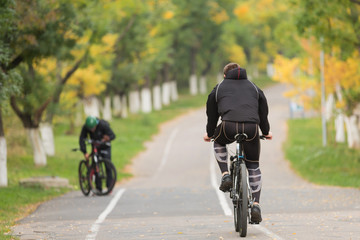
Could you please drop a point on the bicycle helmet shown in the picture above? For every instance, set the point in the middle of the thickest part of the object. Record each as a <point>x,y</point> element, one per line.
<point>91,122</point>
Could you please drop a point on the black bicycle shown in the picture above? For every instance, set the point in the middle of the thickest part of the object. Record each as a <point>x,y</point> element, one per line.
<point>241,192</point>
<point>98,177</point>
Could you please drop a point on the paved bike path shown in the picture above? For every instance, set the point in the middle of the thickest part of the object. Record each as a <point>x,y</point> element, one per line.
<point>172,197</point>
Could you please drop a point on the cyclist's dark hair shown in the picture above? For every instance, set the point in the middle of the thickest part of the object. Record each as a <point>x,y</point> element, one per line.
<point>230,66</point>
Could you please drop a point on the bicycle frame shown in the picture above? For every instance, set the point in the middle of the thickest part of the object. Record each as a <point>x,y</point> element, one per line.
<point>238,161</point>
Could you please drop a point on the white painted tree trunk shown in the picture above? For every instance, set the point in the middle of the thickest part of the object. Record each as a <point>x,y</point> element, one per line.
<point>203,87</point>
<point>124,108</point>
<point>270,70</point>
<point>166,91</point>
<point>3,163</point>
<point>353,136</point>
<point>157,97</point>
<point>174,92</point>
<point>47,137</point>
<point>91,106</point>
<point>193,85</point>
<point>37,146</point>
<point>146,105</point>
<point>79,118</point>
<point>107,109</point>
<point>117,105</point>
<point>220,77</point>
<point>134,102</point>
<point>329,106</point>
<point>339,128</point>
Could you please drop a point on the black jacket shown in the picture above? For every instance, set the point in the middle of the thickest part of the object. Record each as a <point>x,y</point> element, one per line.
<point>103,128</point>
<point>237,99</point>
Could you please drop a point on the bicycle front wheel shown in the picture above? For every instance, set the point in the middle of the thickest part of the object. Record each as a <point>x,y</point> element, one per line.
<point>84,177</point>
<point>102,177</point>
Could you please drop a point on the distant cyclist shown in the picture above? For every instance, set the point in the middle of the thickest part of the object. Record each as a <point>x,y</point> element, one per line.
<point>97,129</point>
<point>243,108</point>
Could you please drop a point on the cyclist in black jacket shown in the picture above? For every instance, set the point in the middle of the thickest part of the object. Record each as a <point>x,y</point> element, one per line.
<point>97,129</point>
<point>243,108</point>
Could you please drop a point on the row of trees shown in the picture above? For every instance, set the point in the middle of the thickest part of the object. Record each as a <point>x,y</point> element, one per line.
<point>55,53</point>
<point>333,28</point>
<point>137,53</point>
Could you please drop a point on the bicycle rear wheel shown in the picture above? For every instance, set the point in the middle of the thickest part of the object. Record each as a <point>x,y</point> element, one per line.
<point>84,177</point>
<point>244,201</point>
<point>103,177</point>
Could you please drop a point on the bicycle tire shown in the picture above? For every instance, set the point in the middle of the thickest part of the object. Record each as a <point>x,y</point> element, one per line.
<point>236,201</point>
<point>244,201</point>
<point>100,184</point>
<point>83,173</point>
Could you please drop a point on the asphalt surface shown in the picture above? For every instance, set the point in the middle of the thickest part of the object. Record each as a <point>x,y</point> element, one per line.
<point>174,195</point>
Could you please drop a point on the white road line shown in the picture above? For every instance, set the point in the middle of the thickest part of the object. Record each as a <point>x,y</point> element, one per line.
<point>166,151</point>
<point>223,202</point>
<point>221,196</point>
<point>95,227</point>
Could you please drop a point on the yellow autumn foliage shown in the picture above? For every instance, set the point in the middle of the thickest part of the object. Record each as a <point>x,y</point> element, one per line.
<point>168,15</point>
<point>236,54</point>
<point>88,81</point>
<point>218,14</point>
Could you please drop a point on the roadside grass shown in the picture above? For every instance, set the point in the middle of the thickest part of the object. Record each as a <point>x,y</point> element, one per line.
<point>16,202</point>
<point>334,164</point>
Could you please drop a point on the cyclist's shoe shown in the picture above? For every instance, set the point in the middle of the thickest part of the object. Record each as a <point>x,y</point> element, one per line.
<point>256,214</point>
<point>226,183</point>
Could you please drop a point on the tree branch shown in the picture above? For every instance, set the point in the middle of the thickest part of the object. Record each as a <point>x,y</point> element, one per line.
<point>40,110</point>
<point>15,107</point>
<point>14,63</point>
<point>355,1</point>
<point>127,28</point>
<point>73,69</point>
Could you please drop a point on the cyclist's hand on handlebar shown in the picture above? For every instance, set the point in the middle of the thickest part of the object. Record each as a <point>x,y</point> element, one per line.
<point>269,136</point>
<point>86,155</point>
<point>207,138</point>
<point>105,138</point>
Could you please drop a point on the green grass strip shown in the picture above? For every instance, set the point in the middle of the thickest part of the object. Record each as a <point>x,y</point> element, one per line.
<point>334,164</point>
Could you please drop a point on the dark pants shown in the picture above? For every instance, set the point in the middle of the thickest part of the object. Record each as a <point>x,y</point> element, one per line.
<point>224,134</point>
<point>226,131</point>
<point>106,154</point>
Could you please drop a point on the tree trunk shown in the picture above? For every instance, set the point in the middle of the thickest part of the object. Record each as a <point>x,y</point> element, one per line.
<point>107,109</point>
<point>339,128</point>
<point>329,106</point>
<point>203,87</point>
<point>174,91</point>
<point>146,100</point>
<point>220,77</point>
<point>124,108</point>
<point>3,162</point>
<point>91,106</point>
<point>193,84</point>
<point>157,97</point>
<point>47,137</point>
<point>134,101</point>
<point>37,146</point>
<point>79,118</point>
<point>166,91</point>
<point>117,105</point>
<point>3,155</point>
<point>353,135</point>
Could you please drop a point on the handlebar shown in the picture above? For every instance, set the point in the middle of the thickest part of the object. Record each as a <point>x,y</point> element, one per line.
<point>263,137</point>
<point>95,143</point>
